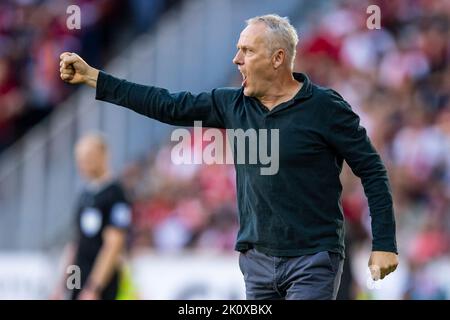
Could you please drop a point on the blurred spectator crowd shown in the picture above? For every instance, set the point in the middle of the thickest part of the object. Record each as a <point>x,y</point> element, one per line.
<point>398,80</point>
<point>33,33</point>
<point>182,206</point>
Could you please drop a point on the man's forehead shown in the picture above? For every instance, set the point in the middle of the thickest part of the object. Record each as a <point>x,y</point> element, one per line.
<point>253,34</point>
<point>89,144</point>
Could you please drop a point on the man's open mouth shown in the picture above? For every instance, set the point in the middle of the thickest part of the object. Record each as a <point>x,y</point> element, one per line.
<point>244,80</point>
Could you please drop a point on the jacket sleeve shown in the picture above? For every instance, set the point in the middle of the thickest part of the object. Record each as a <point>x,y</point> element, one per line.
<point>351,142</point>
<point>181,108</point>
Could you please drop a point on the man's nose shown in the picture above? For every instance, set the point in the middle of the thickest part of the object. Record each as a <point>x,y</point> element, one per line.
<point>237,58</point>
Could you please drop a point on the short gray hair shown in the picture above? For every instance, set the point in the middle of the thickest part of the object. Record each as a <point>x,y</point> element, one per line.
<point>282,35</point>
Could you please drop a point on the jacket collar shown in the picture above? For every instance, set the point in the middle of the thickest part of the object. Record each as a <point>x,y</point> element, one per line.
<point>306,90</point>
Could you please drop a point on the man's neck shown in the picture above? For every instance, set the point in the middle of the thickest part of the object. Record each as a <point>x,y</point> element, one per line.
<point>100,181</point>
<point>281,91</point>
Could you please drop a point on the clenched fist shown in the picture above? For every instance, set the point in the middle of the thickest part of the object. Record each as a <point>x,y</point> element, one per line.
<point>74,70</point>
<point>382,263</point>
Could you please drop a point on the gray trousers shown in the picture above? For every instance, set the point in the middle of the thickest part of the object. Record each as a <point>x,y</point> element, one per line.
<point>309,277</point>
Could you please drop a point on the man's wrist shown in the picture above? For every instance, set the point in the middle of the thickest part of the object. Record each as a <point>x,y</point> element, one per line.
<point>91,77</point>
<point>385,248</point>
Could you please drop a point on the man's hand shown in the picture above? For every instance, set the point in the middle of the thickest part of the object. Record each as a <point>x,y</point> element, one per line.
<point>75,70</point>
<point>382,263</point>
<point>88,294</point>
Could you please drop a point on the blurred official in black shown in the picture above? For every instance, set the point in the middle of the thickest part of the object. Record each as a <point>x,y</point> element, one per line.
<point>102,219</point>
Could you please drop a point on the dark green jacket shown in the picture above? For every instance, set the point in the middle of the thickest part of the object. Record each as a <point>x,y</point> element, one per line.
<point>298,210</point>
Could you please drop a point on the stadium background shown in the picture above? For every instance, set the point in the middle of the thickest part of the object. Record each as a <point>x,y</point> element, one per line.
<point>184,217</point>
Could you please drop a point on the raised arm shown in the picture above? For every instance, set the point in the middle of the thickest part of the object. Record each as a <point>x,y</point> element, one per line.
<point>182,108</point>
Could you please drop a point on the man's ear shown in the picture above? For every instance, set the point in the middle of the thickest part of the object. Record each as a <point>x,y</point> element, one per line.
<point>278,58</point>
